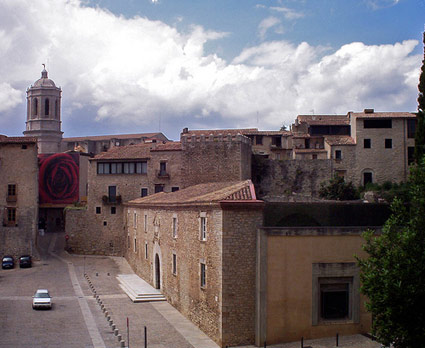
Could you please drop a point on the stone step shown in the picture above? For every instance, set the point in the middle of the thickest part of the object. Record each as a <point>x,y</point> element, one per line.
<point>138,290</point>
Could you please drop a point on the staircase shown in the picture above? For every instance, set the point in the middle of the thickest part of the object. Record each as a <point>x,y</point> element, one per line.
<point>138,290</point>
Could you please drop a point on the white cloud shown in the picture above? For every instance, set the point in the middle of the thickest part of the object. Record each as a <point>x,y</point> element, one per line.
<point>378,4</point>
<point>133,71</point>
<point>268,23</point>
<point>9,97</point>
<point>288,13</point>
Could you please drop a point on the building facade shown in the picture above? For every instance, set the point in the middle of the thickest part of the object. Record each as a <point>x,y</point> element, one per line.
<point>19,195</point>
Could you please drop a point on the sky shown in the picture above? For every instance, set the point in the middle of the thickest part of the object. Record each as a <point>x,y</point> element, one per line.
<point>136,66</point>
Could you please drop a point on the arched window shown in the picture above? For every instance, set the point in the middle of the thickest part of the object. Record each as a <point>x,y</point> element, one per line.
<point>46,106</point>
<point>35,107</point>
<point>56,109</point>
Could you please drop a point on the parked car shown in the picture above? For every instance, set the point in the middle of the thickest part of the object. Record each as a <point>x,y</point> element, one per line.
<point>25,261</point>
<point>41,299</point>
<point>7,262</point>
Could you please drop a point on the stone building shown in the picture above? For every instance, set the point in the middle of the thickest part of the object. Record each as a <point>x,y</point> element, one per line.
<point>18,195</point>
<point>197,246</point>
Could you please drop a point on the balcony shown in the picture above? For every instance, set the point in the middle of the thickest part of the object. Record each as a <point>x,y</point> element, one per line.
<point>162,174</point>
<point>12,198</point>
<point>111,199</point>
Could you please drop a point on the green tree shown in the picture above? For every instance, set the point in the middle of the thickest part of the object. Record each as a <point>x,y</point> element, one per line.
<point>420,129</point>
<point>393,275</point>
<point>338,189</point>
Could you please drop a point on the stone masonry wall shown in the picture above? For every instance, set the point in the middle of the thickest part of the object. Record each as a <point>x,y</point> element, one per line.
<point>239,275</point>
<point>290,177</point>
<point>19,166</point>
<point>215,158</point>
<point>202,305</point>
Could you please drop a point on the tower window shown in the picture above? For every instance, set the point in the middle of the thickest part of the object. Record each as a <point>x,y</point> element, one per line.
<point>35,107</point>
<point>46,107</point>
<point>56,109</point>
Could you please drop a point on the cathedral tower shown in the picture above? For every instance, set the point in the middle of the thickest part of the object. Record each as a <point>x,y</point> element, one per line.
<point>44,114</point>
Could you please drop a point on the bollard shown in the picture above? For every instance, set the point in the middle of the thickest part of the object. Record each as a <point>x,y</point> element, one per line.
<point>119,337</point>
<point>111,322</point>
<point>122,343</point>
<point>113,327</point>
<point>116,332</point>
<point>106,315</point>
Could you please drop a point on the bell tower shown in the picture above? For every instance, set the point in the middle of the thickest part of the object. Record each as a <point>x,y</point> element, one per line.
<point>44,114</point>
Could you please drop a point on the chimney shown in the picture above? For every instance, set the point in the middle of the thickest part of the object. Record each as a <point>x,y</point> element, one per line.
<point>369,111</point>
<point>185,130</point>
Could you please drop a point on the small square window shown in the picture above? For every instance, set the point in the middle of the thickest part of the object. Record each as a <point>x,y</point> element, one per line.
<point>388,143</point>
<point>113,210</point>
<point>314,156</point>
<point>144,192</point>
<point>174,227</point>
<point>338,154</point>
<point>24,147</point>
<point>98,210</point>
<point>174,189</point>
<point>367,143</point>
<point>105,223</point>
<point>145,223</point>
<point>11,216</point>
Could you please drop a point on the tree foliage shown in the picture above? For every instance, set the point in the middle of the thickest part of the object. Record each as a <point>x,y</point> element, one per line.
<point>420,129</point>
<point>338,189</point>
<point>393,276</point>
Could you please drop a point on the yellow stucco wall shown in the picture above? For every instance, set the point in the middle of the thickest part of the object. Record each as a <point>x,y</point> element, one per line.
<point>289,284</point>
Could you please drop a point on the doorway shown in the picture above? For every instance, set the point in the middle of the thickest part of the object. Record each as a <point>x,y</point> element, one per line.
<point>157,273</point>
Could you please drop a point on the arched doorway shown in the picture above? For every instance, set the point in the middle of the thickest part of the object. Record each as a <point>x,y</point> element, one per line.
<point>157,272</point>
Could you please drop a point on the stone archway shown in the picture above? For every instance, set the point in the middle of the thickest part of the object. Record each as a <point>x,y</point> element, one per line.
<point>157,266</point>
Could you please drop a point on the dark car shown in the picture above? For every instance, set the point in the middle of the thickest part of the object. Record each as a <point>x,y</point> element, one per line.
<point>7,262</point>
<point>25,261</point>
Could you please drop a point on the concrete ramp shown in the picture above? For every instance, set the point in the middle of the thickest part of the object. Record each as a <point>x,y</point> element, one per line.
<point>138,290</point>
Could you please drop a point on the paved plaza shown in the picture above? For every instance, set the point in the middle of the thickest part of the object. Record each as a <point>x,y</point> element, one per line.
<point>77,319</point>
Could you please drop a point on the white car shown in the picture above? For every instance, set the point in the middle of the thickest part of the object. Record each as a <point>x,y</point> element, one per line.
<point>41,299</point>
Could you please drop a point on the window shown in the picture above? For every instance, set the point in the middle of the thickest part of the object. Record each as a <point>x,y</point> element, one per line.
<point>174,227</point>
<point>338,154</point>
<point>35,107</point>
<point>203,275</point>
<point>46,107</point>
<point>145,223</point>
<point>128,241</point>
<point>112,193</point>
<point>367,143</point>
<point>203,227</point>
<point>135,220</point>
<point>163,168</point>
<point>336,293</point>
<point>11,193</point>
<point>135,245</point>
<point>105,223</point>
<point>24,147</point>
<point>388,143</point>
<point>277,141</point>
<point>56,109</point>
<point>144,192</point>
<point>159,188</point>
<point>98,210</point>
<point>174,189</point>
<point>307,143</point>
<point>11,216</point>
<point>411,128</point>
<point>259,140</point>
<point>122,167</point>
<point>410,154</point>
<point>314,156</point>
<point>113,210</point>
<point>377,123</point>
<point>146,250</point>
<point>174,266</point>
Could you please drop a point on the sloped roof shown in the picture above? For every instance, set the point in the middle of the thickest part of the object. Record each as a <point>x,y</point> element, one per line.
<point>266,132</point>
<point>216,132</point>
<point>392,114</point>
<point>17,140</point>
<point>137,151</point>
<point>325,120</point>
<point>215,192</point>
<point>118,136</point>
<point>168,146</point>
<point>339,140</point>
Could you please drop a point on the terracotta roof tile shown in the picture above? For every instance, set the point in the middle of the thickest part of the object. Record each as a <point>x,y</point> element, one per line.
<point>216,132</point>
<point>317,120</point>
<point>137,151</point>
<point>266,132</point>
<point>339,140</point>
<point>168,146</point>
<point>203,193</point>
<point>17,140</point>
